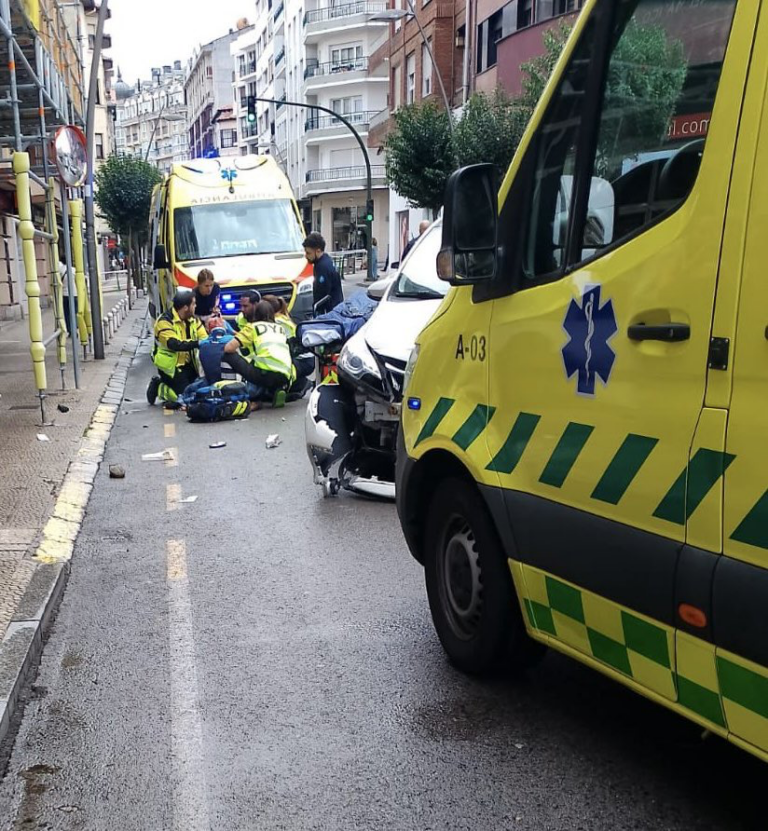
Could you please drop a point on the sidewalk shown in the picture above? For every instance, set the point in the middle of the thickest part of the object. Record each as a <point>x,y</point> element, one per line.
<point>32,471</point>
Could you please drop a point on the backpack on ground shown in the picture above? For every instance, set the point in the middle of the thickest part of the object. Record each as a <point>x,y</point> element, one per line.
<point>222,401</point>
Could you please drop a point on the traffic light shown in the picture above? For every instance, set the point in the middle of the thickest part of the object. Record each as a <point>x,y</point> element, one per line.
<point>369,211</point>
<point>251,109</point>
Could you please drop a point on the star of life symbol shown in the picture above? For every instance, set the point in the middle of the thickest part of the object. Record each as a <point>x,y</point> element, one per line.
<point>590,326</point>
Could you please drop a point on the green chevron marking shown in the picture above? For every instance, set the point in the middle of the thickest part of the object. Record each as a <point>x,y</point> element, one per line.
<point>701,475</point>
<point>507,458</point>
<point>473,426</point>
<point>435,417</point>
<point>565,454</point>
<point>623,468</point>
<point>753,529</point>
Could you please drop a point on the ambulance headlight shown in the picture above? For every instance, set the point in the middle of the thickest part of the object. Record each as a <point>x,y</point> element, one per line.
<point>306,285</point>
<point>410,366</point>
<point>356,360</point>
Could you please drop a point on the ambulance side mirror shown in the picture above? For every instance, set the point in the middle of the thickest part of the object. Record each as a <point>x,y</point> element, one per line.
<point>468,253</point>
<point>161,258</point>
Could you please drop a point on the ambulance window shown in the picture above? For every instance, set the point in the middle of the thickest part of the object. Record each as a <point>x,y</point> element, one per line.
<point>660,89</point>
<point>555,160</point>
<point>614,155</point>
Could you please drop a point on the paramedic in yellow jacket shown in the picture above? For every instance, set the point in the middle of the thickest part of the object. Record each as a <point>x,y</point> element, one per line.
<point>177,336</point>
<point>262,342</point>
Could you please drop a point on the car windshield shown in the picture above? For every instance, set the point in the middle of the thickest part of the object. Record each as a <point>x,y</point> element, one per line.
<point>236,228</point>
<point>418,276</point>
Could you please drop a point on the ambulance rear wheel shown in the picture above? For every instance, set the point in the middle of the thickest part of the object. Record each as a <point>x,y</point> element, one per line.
<point>471,596</point>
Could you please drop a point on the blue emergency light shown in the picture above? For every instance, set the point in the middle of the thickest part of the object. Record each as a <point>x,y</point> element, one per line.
<point>229,305</point>
<point>226,296</point>
<point>414,403</point>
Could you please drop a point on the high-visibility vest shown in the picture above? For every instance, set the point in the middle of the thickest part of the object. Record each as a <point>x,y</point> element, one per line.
<point>171,326</point>
<point>287,324</point>
<point>270,349</point>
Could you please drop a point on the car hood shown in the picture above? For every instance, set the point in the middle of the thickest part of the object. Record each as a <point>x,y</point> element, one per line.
<point>395,325</point>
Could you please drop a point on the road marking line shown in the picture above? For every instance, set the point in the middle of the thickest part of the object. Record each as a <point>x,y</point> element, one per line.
<point>168,412</point>
<point>170,430</point>
<point>190,804</point>
<point>174,462</point>
<point>172,497</point>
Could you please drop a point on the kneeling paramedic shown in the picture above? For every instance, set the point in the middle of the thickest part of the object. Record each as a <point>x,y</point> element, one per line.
<point>177,337</point>
<point>267,363</point>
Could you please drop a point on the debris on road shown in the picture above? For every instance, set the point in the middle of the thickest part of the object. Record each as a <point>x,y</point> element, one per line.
<point>42,437</point>
<point>62,408</point>
<point>162,456</point>
<point>217,444</point>
<point>273,441</point>
<point>116,472</point>
<point>187,500</point>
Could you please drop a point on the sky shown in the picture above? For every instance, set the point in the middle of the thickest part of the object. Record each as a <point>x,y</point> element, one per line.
<point>147,33</point>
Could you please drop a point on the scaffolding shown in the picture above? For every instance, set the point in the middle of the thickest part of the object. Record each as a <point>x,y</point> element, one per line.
<point>43,83</point>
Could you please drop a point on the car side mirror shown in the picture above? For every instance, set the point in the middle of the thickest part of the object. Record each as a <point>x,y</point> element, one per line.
<point>379,289</point>
<point>470,219</point>
<point>161,258</point>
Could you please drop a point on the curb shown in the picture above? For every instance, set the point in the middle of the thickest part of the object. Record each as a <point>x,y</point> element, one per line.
<point>22,644</point>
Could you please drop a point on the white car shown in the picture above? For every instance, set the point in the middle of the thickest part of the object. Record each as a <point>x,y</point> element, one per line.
<point>351,429</point>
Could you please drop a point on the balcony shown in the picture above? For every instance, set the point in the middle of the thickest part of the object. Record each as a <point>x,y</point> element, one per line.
<point>247,68</point>
<point>280,102</point>
<point>345,16</point>
<point>322,70</point>
<point>329,179</point>
<point>280,56</point>
<point>278,10</point>
<point>329,124</point>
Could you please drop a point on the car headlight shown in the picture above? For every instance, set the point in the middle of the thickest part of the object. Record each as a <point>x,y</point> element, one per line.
<point>356,359</point>
<point>306,285</point>
<point>410,366</point>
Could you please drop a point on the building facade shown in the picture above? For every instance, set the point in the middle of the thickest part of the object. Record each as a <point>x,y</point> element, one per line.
<point>210,98</point>
<point>244,50</point>
<point>339,41</point>
<point>152,119</point>
<point>507,34</point>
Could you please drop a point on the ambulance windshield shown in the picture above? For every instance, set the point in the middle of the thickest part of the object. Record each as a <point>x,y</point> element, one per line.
<point>232,229</point>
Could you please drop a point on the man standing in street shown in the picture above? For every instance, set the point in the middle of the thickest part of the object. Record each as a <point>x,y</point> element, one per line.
<point>423,225</point>
<point>327,289</point>
<point>177,337</point>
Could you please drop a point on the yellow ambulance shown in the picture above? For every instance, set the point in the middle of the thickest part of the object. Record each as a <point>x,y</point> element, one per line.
<point>583,458</point>
<point>237,217</point>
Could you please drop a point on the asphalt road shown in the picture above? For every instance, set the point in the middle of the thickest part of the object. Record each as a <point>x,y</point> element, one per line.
<point>264,659</point>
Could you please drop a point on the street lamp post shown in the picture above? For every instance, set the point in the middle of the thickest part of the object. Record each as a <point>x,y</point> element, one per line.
<point>90,214</point>
<point>369,183</point>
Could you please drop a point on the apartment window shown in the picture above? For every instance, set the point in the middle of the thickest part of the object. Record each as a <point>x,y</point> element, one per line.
<point>524,13</point>
<point>347,106</point>
<point>397,88</point>
<point>410,79</point>
<point>228,138</point>
<point>493,29</point>
<point>426,69</point>
<point>99,145</point>
<point>346,54</point>
<point>209,71</point>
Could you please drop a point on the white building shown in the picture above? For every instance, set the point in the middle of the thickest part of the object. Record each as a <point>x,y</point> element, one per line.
<point>210,98</point>
<point>338,42</point>
<point>289,81</point>
<point>244,50</point>
<point>152,120</point>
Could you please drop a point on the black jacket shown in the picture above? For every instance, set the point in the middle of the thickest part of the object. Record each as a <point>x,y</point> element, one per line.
<point>327,284</point>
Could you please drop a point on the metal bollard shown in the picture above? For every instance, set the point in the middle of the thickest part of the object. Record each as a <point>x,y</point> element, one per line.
<point>105,329</point>
<point>112,327</point>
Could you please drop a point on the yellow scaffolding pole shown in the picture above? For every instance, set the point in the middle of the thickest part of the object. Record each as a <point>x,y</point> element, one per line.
<point>84,325</point>
<point>58,291</point>
<point>32,284</point>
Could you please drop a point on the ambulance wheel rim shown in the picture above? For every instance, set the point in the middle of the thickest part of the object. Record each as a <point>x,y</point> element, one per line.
<point>461,584</point>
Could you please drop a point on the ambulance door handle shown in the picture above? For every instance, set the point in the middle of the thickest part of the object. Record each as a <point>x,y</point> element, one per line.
<point>665,331</point>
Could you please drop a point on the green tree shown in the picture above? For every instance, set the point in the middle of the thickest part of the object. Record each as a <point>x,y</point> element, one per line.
<point>537,71</point>
<point>420,154</point>
<point>124,195</point>
<point>489,130</point>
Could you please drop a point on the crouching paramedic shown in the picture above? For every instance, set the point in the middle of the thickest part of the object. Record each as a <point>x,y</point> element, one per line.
<point>267,362</point>
<point>177,337</point>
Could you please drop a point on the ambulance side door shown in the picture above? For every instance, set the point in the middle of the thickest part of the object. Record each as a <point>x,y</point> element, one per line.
<point>600,345</point>
<point>740,593</point>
